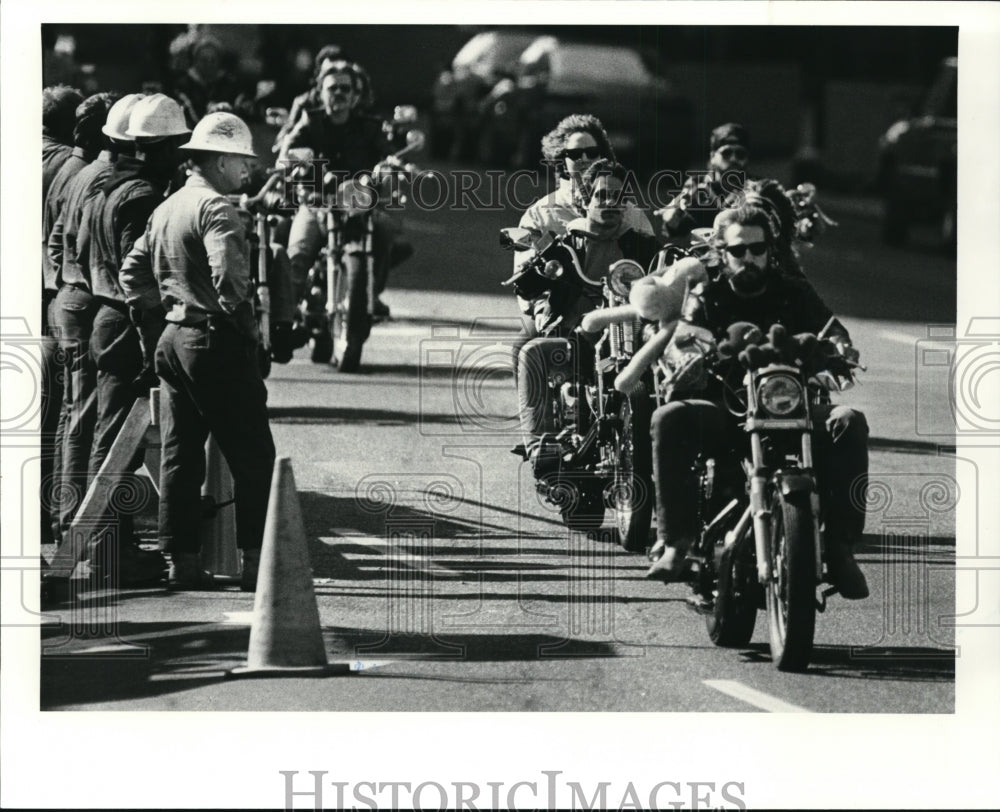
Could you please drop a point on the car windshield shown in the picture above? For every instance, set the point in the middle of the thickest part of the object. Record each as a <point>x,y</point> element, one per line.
<point>598,63</point>
<point>500,48</point>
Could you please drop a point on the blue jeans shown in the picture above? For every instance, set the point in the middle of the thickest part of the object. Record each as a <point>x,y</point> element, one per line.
<point>210,382</point>
<point>74,313</point>
<point>682,429</point>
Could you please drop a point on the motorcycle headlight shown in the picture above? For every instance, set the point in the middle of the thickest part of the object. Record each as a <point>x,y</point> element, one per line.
<point>622,274</point>
<point>355,197</point>
<point>780,395</point>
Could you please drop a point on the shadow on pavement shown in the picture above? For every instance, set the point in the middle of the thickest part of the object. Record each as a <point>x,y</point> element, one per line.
<point>183,657</point>
<point>902,663</point>
<point>354,416</point>
<point>180,660</point>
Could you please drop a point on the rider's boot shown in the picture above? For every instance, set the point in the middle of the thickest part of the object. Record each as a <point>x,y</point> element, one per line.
<point>669,564</point>
<point>844,572</point>
<point>545,456</point>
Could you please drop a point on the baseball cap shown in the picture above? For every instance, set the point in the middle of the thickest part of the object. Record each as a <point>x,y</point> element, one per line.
<point>730,133</point>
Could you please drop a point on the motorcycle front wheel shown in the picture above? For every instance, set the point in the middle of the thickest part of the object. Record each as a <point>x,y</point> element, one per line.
<point>350,322</point>
<point>734,612</point>
<point>791,593</point>
<point>632,489</point>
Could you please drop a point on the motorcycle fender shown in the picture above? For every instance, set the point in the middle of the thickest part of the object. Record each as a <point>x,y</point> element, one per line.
<point>796,483</point>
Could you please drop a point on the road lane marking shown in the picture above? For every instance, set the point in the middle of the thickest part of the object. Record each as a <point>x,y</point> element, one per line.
<point>423,563</point>
<point>751,696</point>
<point>901,338</point>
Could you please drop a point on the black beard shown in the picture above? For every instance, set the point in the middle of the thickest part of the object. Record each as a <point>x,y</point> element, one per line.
<point>748,282</point>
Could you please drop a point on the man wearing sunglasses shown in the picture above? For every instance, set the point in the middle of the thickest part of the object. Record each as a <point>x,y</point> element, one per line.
<point>704,196</point>
<point>753,288</point>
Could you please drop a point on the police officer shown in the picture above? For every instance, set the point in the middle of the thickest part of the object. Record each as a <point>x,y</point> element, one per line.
<point>117,218</point>
<point>193,259</point>
<point>74,304</point>
<point>59,104</point>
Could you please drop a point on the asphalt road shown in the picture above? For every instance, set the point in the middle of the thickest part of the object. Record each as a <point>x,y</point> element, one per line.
<point>446,584</point>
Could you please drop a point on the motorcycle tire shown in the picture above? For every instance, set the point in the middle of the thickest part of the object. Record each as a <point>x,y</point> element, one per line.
<point>791,593</point>
<point>734,614</point>
<point>632,493</point>
<point>351,322</point>
<point>322,347</point>
<point>263,362</point>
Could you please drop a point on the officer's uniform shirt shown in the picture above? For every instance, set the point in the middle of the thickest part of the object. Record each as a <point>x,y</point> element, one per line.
<point>69,248</point>
<point>193,258</point>
<point>53,205</point>
<point>118,217</point>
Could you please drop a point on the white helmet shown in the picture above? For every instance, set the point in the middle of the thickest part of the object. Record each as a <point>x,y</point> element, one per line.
<point>118,117</point>
<point>222,132</point>
<point>156,116</point>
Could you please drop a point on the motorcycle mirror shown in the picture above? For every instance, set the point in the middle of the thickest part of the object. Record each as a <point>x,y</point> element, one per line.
<point>701,235</point>
<point>828,381</point>
<point>414,141</point>
<point>276,116</point>
<point>404,114</point>
<point>517,239</point>
<point>300,154</point>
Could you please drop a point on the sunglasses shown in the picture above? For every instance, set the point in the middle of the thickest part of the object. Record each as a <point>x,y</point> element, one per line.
<point>588,153</point>
<point>344,88</point>
<point>733,153</point>
<point>757,249</point>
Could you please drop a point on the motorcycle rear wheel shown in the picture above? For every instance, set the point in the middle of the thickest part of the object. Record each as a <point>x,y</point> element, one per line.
<point>632,488</point>
<point>791,593</point>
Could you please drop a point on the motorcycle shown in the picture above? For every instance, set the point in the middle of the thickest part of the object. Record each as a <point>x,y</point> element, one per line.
<point>810,220</point>
<point>759,508</point>
<point>341,301</point>
<point>256,212</point>
<point>601,434</point>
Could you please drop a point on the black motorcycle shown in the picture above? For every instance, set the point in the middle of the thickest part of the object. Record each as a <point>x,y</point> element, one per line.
<point>601,436</point>
<point>341,303</point>
<point>759,507</point>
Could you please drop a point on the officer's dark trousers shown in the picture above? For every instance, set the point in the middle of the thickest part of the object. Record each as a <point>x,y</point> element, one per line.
<point>211,383</point>
<point>74,314</point>
<point>682,429</point>
<point>115,348</point>
<point>51,440</point>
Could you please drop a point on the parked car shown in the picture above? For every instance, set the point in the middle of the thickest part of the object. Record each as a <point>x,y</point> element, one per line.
<point>918,163</point>
<point>459,89</point>
<point>649,125</point>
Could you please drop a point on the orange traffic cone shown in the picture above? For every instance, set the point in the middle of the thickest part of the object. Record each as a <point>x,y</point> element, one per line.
<point>285,637</point>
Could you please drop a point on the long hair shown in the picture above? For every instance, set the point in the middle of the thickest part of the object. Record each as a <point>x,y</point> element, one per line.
<point>554,142</point>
